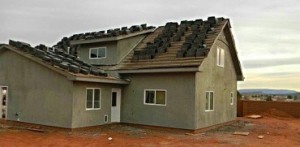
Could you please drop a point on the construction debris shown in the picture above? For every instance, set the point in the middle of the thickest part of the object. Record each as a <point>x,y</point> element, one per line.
<point>260,136</point>
<point>35,130</point>
<point>190,134</point>
<point>241,133</point>
<point>254,116</point>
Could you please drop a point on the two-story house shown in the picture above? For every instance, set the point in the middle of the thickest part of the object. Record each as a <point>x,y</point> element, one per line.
<point>181,75</point>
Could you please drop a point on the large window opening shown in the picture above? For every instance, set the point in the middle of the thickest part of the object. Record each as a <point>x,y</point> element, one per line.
<point>155,97</point>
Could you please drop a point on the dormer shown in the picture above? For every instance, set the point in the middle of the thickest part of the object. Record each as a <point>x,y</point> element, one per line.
<point>106,47</point>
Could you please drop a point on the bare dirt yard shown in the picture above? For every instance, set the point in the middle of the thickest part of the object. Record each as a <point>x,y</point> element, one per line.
<point>274,131</point>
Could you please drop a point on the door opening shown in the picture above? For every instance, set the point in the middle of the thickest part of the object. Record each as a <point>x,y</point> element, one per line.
<point>115,104</point>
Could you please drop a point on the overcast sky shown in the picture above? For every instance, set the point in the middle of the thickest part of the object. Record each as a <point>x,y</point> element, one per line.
<point>266,32</point>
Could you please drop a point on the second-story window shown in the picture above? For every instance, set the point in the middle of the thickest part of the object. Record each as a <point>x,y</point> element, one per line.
<point>220,57</point>
<point>97,53</point>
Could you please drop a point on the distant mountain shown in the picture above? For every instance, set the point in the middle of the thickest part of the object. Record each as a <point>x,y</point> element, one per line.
<point>268,91</point>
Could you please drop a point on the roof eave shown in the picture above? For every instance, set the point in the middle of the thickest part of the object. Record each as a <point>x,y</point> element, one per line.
<point>159,70</point>
<point>238,67</point>
<point>100,80</point>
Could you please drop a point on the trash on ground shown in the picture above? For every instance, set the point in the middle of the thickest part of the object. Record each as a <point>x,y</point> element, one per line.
<point>260,136</point>
<point>35,130</point>
<point>241,133</point>
<point>254,116</point>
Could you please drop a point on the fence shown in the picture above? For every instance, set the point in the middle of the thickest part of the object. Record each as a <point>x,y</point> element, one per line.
<point>246,107</point>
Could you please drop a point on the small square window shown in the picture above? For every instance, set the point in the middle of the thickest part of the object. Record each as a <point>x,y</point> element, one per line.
<point>97,53</point>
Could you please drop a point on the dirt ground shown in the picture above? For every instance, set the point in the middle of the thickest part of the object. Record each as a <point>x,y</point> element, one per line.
<point>276,131</point>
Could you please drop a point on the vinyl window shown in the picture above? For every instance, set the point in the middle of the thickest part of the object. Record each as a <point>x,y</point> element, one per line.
<point>220,57</point>
<point>209,101</point>
<point>231,98</point>
<point>98,53</point>
<point>155,97</point>
<point>93,98</point>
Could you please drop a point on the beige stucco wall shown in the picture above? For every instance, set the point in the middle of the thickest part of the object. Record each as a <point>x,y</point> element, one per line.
<point>222,81</point>
<point>179,110</point>
<point>115,50</point>
<point>81,116</point>
<point>111,50</point>
<point>126,45</point>
<point>37,94</point>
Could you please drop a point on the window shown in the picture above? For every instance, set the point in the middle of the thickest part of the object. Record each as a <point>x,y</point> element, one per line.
<point>220,57</point>
<point>231,98</point>
<point>209,104</point>
<point>93,98</point>
<point>97,53</point>
<point>114,99</point>
<point>155,97</point>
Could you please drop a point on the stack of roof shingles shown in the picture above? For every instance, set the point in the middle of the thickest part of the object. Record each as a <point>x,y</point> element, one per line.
<point>58,58</point>
<point>185,44</point>
<point>65,42</point>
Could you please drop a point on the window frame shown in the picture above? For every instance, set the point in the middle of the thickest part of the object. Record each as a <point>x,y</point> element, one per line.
<point>231,98</point>
<point>154,104</point>
<point>93,99</point>
<point>6,102</point>
<point>97,48</point>
<point>220,57</point>
<point>213,105</point>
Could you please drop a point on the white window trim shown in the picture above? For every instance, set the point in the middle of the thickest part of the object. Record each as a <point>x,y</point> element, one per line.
<point>97,52</point>
<point>209,102</point>
<point>93,99</point>
<point>155,97</point>
<point>220,57</point>
<point>231,98</point>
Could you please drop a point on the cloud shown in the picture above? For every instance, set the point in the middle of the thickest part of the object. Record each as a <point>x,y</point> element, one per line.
<point>268,63</point>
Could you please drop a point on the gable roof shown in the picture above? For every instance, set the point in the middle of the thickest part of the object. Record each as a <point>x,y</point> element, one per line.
<point>183,45</point>
<point>64,64</point>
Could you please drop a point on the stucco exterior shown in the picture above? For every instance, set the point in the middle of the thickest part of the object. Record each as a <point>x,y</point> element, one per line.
<point>36,94</point>
<point>179,111</point>
<point>40,92</point>
<point>111,50</point>
<point>115,50</point>
<point>84,118</point>
<point>222,81</point>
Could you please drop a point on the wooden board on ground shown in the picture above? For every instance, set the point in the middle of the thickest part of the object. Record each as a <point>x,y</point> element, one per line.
<point>241,133</point>
<point>254,116</point>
